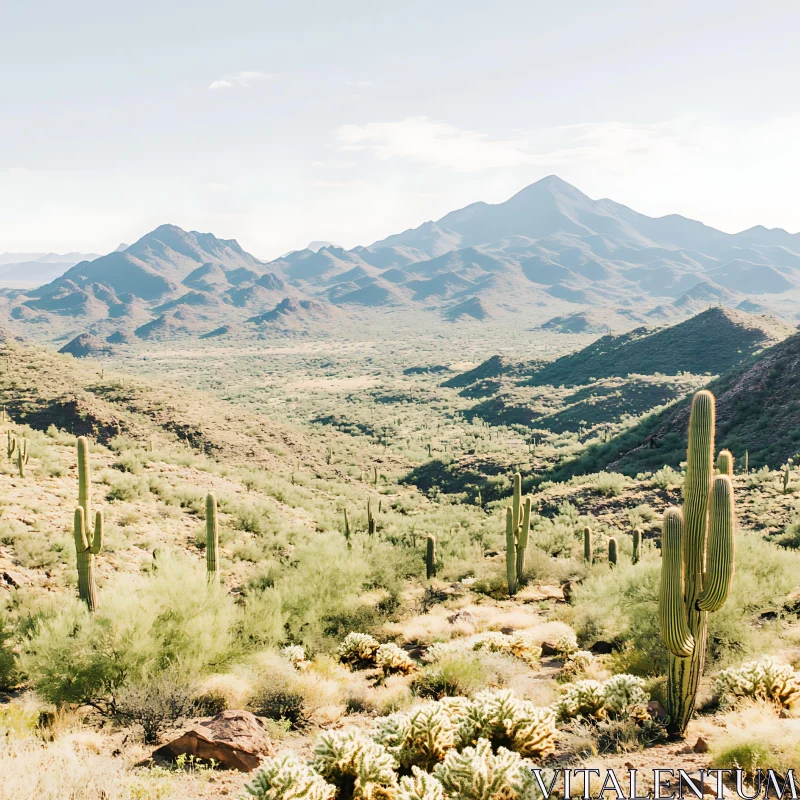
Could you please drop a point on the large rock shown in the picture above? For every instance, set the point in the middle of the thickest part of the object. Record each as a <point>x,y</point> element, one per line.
<point>233,739</point>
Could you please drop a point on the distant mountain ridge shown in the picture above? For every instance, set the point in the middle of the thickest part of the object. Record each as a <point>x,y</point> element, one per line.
<point>549,250</point>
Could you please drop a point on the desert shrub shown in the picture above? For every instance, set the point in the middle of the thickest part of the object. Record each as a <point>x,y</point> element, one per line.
<point>628,735</point>
<point>156,702</point>
<point>262,619</point>
<point>287,778</point>
<point>281,699</point>
<point>519,645</point>
<point>791,536</point>
<point>608,484</point>
<point>126,486</point>
<point>454,675</point>
<point>667,478</point>
<point>145,625</point>
<point>622,606</point>
<point>765,679</point>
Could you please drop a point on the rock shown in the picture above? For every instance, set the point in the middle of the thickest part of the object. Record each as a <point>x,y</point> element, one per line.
<point>601,648</point>
<point>462,617</point>
<point>533,594</point>
<point>657,711</point>
<point>233,739</point>
<point>686,790</point>
<point>792,603</point>
<point>13,579</point>
<point>549,649</point>
<point>701,745</point>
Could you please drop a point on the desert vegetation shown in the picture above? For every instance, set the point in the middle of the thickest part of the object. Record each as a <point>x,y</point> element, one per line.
<point>404,594</point>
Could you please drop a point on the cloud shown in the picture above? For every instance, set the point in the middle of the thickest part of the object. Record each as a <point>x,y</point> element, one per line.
<point>438,144</point>
<point>244,79</point>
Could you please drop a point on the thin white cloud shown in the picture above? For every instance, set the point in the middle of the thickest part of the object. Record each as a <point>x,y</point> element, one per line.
<point>244,79</point>
<point>438,144</point>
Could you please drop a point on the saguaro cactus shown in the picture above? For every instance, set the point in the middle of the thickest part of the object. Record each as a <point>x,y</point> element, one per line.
<point>212,539</point>
<point>637,545</point>
<point>612,551</point>
<point>88,543</point>
<point>518,523</point>
<point>22,457</point>
<point>725,463</point>
<point>430,556</point>
<point>346,528</point>
<point>370,519</point>
<point>697,563</point>
<point>786,480</point>
<point>12,445</point>
<point>588,555</point>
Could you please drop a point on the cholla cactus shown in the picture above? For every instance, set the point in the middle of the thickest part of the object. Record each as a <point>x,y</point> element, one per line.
<point>477,773</point>
<point>507,721</point>
<point>581,699</point>
<point>766,679</point>
<point>456,709</point>
<point>624,697</point>
<point>296,654</point>
<point>355,764</point>
<point>565,646</point>
<point>519,645</point>
<point>358,649</point>
<point>288,778</point>
<point>421,737</point>
<point>439,650</point>
<point>576,665</point>
<point>391,658</point>
<point>419,786</point>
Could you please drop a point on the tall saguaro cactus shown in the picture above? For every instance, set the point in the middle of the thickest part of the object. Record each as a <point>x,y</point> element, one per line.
<point>12,444</point>
<point>518,524</point>
<point>637,545</point>
<point>88,542</point>
<point>212,539</point>
<point>697,563</point>
<point>588,555</point>
<point>612,551</point>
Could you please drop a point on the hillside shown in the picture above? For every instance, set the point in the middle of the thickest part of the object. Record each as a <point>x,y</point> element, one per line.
<point>710,343</point>
<point>757,412</point>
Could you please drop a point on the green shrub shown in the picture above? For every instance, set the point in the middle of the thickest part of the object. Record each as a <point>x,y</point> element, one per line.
<point>169,619</point>
<point>451,676</point>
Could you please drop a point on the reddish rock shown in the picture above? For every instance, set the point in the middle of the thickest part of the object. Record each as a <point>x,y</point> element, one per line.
<point>701,745</point>
<point>233,739</point>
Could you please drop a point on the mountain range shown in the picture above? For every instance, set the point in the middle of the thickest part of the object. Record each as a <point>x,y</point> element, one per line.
<point>564,260</point>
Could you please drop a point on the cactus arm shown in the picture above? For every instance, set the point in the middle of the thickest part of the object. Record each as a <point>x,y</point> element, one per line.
<point>97,539</point>
<point>84,478</point>
<point>720,562</point>
<point>671,612</point>
<point>516,503</point>
<point>725,463</point>
<point>511,553</point>
<point>79,530</point>
<point>522,537</point>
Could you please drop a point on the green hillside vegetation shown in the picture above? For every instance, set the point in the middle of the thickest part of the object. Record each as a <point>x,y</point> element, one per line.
<point>670,351</point>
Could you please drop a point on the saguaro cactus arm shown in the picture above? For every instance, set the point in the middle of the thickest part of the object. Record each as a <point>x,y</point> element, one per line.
<point>725,462</point>
<point>671,612</point>
<point>720,562</point>
<point>511,553</point>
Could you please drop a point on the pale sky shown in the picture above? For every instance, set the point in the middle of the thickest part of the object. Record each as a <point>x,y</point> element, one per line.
<point>277,123</point>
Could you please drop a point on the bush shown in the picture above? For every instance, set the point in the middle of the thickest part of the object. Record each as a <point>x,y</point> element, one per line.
<point>156,703</point>
<point>452,676</point>
<point>145,625</point>
<point>281,699</point>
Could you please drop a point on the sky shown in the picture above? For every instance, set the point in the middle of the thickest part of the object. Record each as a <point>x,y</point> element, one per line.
<point>279,123</point>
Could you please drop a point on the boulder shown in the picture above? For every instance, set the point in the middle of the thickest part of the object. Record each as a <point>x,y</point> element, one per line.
<point>233,739</point>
